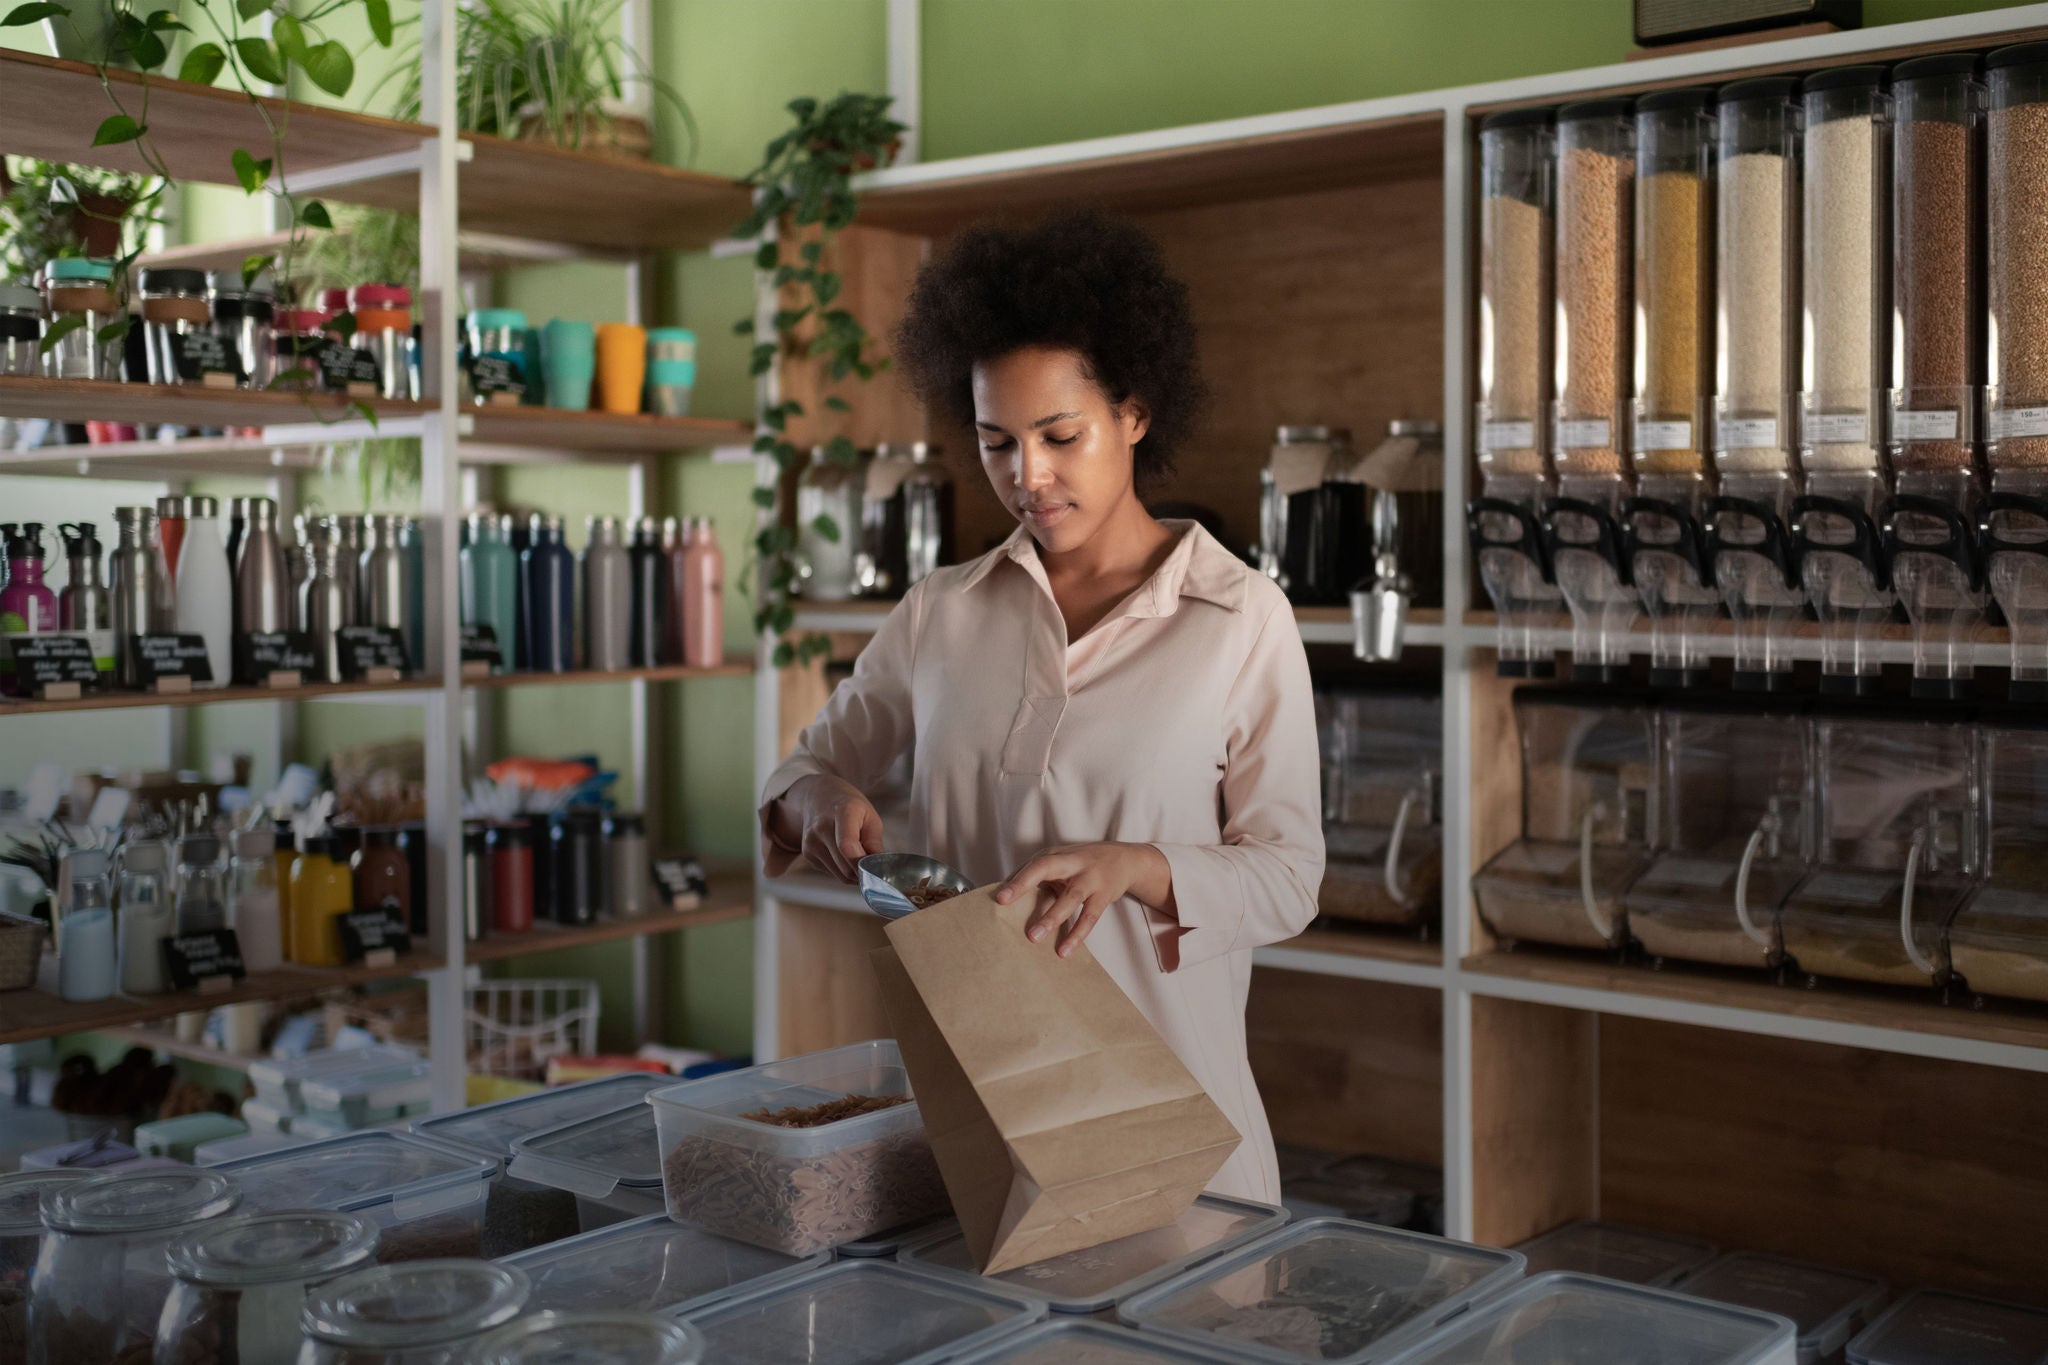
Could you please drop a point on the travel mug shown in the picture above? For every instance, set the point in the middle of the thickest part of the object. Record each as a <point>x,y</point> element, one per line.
<point>568,358</point>
<point>621,366</point>
<point>671,370</point>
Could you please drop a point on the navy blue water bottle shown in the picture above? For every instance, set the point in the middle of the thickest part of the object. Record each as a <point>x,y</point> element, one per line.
<point>548,572</point>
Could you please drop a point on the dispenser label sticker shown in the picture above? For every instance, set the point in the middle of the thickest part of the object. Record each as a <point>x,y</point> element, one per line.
<point>374,937</point>
<point>2019,422</point>
<point>195,960</point>
<point>480,645</point>
<point>1697,873</point>
<point>1595,434</point>
<point>47,660</point>
<point>1926,425</point>
<point>1838,428</point>
<point>1663,435</point>
<point>1507,436</point>
<point>344,369</point>
<point>1749,433</point>
<point>1848,888</point>
<point>172,656</point>
<point>365,649</point>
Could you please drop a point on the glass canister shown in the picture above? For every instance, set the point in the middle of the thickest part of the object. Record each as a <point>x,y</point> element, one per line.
<point>1848,208</point>
<point>1318,508</point>
<point>828,512</point>
<point>177,331</point>
<point>1756,187</point>
<point>101,1275</point>
<point>1593,270</point>
<point>1673,284</point>
<point>1517,181</point>
<point>671,370</point>
<point>241,1283</point>
<point>497,356</point>
<point>417,1313</point>
<point>243,318</point>
<point>627,875</point>
<point>21,1234</point>
<point>296,342</point>
<point>384,328</point>
<point>879,568</point>
<point>2016,166</point>
<point>591,1338</point>
<point>75,288</point>
<point>1998,941</point>
<point>1382,769</point>
<point>21,329</point>
<point>927,514</point>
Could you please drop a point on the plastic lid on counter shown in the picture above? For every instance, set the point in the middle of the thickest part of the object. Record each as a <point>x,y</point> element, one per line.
<point>491,1129</point>
<point>21,1198</point>
<point>1825,1304</point>
<point>595,1157</point>
<point>1104,1276</point>
<point>1615,1251</point>
<point>1083,1341</point>
<point>1328,1289</point>
<point>139,1201</point>
<point>856,1312</point>
<point>590,1339</point>
<point>401,1084</point>
<point>1929,1327</point>
<point>264,1248</point>
<point>281,1073</point>
<point>1562,1319</point>
<point>652,1265</point>
<point>252,1143</point>
<point>360,1170</point>
<point>883,1245</point>
<point>418,1303</point>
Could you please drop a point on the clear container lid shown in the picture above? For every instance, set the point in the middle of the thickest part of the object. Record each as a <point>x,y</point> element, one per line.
<point>21,1196</point>
<point>595,1157</point>
<point>144,1201</point>
<point>1825,1304</point>
<point>719,1105</point>
<point>403,1083</point>
<point>652,1264</point>
<point>359,1171</point>
<point>1928,1327</point>
<point>185,1129</point>
<point>886,1244</point>
<point>275,1073</point>
<point>591,1339</point>
<point>1081,1341</point>
<point>491,1129</point>
<point>419,1303</point>
<point>1616,1252</point>
<point>1562,1319</point>
<point>1327,1289</point>
<point>263,1248</point>
<point>858,1312</point>
<point>1104,1276</point>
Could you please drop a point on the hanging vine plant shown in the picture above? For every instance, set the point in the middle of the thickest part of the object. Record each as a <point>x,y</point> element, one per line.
<point>804,195</point>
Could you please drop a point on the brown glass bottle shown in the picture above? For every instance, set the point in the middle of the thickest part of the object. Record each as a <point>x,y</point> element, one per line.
<point>383,876</point>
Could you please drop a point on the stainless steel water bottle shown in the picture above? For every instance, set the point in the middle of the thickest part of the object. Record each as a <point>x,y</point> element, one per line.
<point>382,575</point>
<point>643,644</point>
<point>325,599</point>
<point>260,580</point>
<point>607,596</point>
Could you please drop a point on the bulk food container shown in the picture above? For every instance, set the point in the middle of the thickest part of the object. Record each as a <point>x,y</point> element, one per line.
<point>1561,1319</point>
<point>1517,177</point>
<point>1382,832</point>
<point>1617,1252</point>
<point>1327,1290</point>
<point>610,1164</point>
<point>1826,1305</point>
<point>1371,1189</point>
<point>1102,1277</point>
<point>1673,289</point>
<point>369,1098</point>
<point>1081,1341</point>
<point>590,1339</point>
<point>101,1277</point>
<point>861,1313</point>
<point>278,1080</point>
<point>1589,819</point>
<point>178,1138</point>
<point>21,1233</point>
<point>1594,274</point>
<point>1932,1328</point>
<point>423,1313</point>
<point>2016,160</point>
<point>252,1143</point>
<point>1756,281</point>
<point>884,1245</point>
<point>651,1265</point>
<point>1998,941</point>
<point>241,1284</point>
<point>425,1200</point>
<point>727,1167</point>
<point>1897,844</point>
<point>1844,368</point>
<point>1734,783</point>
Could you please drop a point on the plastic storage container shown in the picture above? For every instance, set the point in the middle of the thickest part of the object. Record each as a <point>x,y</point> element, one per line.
<point>242,1283</point>
<point>651,1265</point>
<point>858,1312</point>
<point>1104,1276</point>
<point>1998,941</point>
<point>1928,1327</point>
<point>1589,819</point>
<point>278,1080</point>
<point>1078,1341</point>
<point>21,1233</point>
<point>2016,236</point>
<point>1595,204</point>
<point>1844,367</point>
<point>590,1339</point>
<point>1616,1252</point>
<point>180,1137</point>
<point>1371,1189</point>
<point>422,1314</point>
<point>101,1279</point>
<point>369,1098</point>
<point>427,1201</point>
<point>1738,821</point>
<point>251,1143</point>
<point>1828,1306</point>
<point>1562,1319</point>
<point>884,1245</point>
<point>611,1164</point>
<point>1517,175</point>
<point>798,1190</point>
<point>1382,770</point>
<point>1673,285</point>
<point>1897,845</point>
<point>1756,280</point>
<point>1326,1289</point>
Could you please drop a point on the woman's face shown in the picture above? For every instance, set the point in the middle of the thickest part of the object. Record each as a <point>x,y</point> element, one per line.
<point>1057,452</point>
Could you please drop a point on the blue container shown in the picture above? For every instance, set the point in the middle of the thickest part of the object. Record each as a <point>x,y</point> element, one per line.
<point>548,571</point>
<point>490,581</point>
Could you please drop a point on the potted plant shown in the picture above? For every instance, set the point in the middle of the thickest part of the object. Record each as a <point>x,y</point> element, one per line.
<point>49,210</point>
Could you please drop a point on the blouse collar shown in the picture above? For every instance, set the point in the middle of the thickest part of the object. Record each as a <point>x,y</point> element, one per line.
<point>1198,567</point>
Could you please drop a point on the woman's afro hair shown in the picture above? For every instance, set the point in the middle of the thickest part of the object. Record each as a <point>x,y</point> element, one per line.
<point>1080,281</point>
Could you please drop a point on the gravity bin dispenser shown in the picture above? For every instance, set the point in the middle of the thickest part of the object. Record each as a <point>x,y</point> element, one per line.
<point>1382,814</point>
<point>1517,172</point>
<point>1998,941</point>
<point>1590,819</point>
<point>1734,780</point>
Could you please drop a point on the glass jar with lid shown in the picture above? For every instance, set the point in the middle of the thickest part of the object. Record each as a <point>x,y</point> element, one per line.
<point>243,318</point>
<point>21,329</point>
<point>1517,180</point>
<point>21,1232</point>
<point>383,315</point>
<point>239,1284</point>
<point>180,345</point>
<point>419,1313</point>
<point>101,1279</point>
<point>927,514</point>
<point>591,1338</point>
<point>76,288</point>
<point>828,494</point>
<point>1595,209</point>
<point>299,338</point>
<point>1312,514</point>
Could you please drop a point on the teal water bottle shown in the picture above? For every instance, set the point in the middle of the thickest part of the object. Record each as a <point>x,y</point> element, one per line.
<point>490,581</point>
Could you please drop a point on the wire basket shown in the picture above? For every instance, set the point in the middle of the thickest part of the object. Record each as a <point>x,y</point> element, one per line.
<point>514,1027</point>
<point>21,951</point>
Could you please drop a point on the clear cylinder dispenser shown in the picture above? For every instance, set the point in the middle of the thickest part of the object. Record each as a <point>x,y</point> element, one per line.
<point>1998,941</point>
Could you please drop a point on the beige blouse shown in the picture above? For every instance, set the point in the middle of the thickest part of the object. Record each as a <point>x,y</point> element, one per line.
<point>1184,720</point>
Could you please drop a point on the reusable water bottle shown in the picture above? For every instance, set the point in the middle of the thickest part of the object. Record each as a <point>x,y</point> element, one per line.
<point>548,572</point>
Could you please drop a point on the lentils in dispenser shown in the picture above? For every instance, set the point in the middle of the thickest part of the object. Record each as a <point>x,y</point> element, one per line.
<point>1672,325</point>
<point>1595,207</point>
<point>1516,181</point>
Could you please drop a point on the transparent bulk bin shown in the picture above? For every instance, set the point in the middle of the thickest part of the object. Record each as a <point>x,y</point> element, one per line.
<point>651,1265</point>
<point>420,1313</point>
<point>1929,1327</point>
<point>1326,1289</point>
<point>862,1313</point>
<point>1826,1305</point>
<point>1082,1341</point>
<point>371,1098</point>
<point>799,1190</point>
<point>252,1143</point>
<point>1615,1251</point>
<point>1104,1276</point>
<point>1998,941</point>
<point>241,1284</point>
<point>278,1080</point>
<point>1561,1319</point>
<point>1594,272</point>
<point>1897,844</point>
<point>1517,178</point>
<point>180,1137</point>
<point>1371,1189</point>
<point>101,1277</point>
<point>610,1164</point>
<point>21,1233</point>
<point>427,1201</point>
<point>1673,289</point>
<point>2016,242</point>
<point>1382,823</point>
<point>1738,831</point>
<point>590,1339</point>
<point>1589,819</point>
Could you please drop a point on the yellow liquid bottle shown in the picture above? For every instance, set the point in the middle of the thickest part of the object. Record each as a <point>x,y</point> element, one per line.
<point>286,855</point>
<point>322,890</point>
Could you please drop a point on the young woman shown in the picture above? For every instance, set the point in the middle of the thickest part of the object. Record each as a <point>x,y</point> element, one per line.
<point>1107,705</point>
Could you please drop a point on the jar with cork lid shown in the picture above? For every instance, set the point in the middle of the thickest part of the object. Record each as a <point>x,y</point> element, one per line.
<point>179,341</point>
<point>21,329</point>
<point>244,315</point>
<point>81,297</point>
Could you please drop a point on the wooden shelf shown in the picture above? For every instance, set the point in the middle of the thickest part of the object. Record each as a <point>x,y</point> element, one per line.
<point>731,898</point>
<point>123,701</point>
<point>246,456</point>
<point>101,400</point>
<point>37,1014</point>
<point>737,667</point>
<point>1361,954</point>
<point>171,1045</point>
<point>592,432</point>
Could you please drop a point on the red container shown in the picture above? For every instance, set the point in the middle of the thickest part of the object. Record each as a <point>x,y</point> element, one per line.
<point>511,847</point>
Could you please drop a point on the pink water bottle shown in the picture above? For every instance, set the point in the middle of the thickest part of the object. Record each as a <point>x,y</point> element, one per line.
<point>704,594</point>
<point>26,606</point>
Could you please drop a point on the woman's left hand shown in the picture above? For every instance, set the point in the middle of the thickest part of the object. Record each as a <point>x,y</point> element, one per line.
<point>1089,878</point>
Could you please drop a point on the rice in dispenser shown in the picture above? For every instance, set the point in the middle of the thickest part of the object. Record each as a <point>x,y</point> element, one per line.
<point>1896,844</point>
<point>1734,783</point>
<point>1998,941</point>
<point>1589,819</point>
<point>1382,821</point>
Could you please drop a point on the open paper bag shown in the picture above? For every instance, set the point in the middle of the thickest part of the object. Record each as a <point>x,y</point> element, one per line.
<point>1059,1118</point>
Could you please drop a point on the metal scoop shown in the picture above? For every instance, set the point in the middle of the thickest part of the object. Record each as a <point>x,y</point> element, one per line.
<point>886,878</point>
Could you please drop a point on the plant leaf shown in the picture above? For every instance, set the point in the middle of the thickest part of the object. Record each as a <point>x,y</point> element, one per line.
<point>744,327</point>
<point>114,330</point>
<point>826,287</point>
<point>812,251</point>
<point>116,128</point>
<point>203,64</point>
<point>250,173</point>
<point>290,36</point>
<point>259,57</point>
<point>379,14</point>
<point>838,404</point>
<point>249,9</point>
<point>252,266</point>
<point>784,656</point>
<point>331,67</point>
<point>826,528</point>
<point>767,257</point>
<point>23,15</point>
<point>60,328</point>
<point>163,20</point>
<point>313,214</point>
<point>764,497</point>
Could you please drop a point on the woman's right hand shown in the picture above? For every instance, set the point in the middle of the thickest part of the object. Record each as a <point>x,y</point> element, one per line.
<point>838,825</point>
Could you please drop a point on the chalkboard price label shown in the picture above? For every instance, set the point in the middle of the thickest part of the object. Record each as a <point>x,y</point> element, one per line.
<point>207,961</point>
<point>261,655</point>
<point>480,652</point>
<point>497,378</point>
<point>680,882</point>
<point>372,653</point>
<point>172,656</point>
<point>374,937</point>
<point>203,358</point>
<point>52,664</point>
<point>346,369</point>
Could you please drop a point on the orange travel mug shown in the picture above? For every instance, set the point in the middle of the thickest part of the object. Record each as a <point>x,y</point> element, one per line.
<point>621,366</point>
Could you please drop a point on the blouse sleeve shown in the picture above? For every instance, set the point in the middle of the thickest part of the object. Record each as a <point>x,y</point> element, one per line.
<point>864,727</point>
<point>1258,885</point>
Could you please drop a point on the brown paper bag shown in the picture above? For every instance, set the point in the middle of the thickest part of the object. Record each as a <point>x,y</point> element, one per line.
<point>1059,1117</point>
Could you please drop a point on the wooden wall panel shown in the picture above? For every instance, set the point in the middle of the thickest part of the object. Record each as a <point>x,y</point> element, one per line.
<point>1535,1126</point>
<point>829,995</point>
<point>1349,1066</point>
